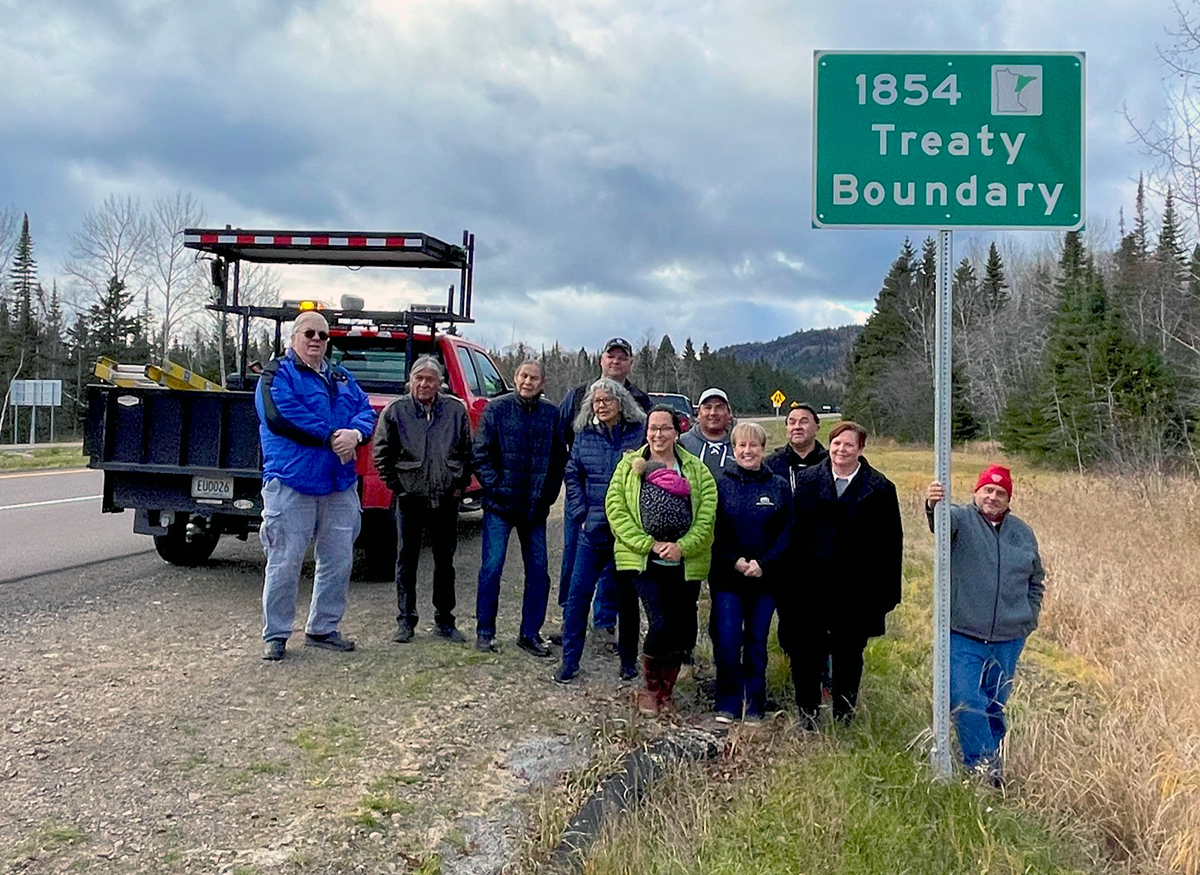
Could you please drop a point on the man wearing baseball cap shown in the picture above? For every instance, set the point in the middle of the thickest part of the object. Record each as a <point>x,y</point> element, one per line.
<point>616,361</point>
<point>710,439</point>
<point>996,588</point>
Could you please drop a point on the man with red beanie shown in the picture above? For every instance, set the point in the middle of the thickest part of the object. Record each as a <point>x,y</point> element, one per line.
<point>996,587</point>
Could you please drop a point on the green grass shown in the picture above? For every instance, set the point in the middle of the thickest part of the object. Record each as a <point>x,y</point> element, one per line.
<point>268,767</point>
<point>375,809</point>
<point>37,459</point>
<point>328,741</point>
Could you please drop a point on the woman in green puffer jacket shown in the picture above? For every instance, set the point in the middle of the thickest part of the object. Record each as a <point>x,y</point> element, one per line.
<point>661,506</point>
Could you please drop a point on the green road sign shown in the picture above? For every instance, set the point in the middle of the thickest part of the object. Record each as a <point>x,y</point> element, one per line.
<point>941,140</point>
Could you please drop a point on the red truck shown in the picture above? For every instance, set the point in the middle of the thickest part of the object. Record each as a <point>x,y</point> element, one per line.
<point>187,461</point>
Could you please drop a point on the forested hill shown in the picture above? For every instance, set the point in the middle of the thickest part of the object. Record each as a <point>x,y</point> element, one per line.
<point>816,354</point>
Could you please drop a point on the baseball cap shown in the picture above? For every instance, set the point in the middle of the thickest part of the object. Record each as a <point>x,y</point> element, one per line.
<point>713,393</point>
<point>619,343</point>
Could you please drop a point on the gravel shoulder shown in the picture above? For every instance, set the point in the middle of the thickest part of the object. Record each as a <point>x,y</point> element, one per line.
<point>142,732</point>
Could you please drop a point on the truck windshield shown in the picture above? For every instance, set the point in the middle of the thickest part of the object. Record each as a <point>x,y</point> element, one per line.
<point>371,365</point>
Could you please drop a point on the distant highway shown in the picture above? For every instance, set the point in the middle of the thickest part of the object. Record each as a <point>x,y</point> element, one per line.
<point>51,520</point>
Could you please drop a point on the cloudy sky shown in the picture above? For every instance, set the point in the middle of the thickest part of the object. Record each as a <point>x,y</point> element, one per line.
<point>633,168</point>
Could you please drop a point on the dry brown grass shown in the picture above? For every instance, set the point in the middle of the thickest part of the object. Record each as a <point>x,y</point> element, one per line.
<point>1111,732</point>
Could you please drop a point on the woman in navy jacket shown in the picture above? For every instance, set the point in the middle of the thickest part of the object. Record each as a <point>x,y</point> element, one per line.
<point>609,424</point>
<point>754,514</point>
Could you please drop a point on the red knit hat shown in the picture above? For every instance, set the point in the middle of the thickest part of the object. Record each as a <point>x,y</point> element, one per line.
<point>997,475</point>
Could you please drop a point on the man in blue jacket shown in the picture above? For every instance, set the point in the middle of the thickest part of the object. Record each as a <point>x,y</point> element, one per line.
<point>312,418</point>
<point>996,588</point>
<point>519,458</point>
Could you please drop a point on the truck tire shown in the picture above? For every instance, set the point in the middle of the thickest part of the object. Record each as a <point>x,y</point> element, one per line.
<point>174,547</point>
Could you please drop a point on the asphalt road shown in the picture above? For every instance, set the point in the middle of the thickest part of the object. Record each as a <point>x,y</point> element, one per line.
<point>51,521</point>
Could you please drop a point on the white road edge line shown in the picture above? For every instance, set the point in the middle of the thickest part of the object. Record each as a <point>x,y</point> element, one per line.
<point>54,501</point>
<point>46,473</point>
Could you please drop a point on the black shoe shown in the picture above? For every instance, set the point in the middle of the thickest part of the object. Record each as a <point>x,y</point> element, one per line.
<point>404,633</point>
<point>330,641</point>
<point>274,649</point>
<point>451,633</point>
<point>486,644</point>
<point>555,638</point>
<point>564,676</point>
<point>533,645</point>
<point>628,672</point>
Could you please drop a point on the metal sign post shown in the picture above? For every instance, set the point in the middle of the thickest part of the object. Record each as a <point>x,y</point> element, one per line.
<point>940,753</point>
<point>945,140</point>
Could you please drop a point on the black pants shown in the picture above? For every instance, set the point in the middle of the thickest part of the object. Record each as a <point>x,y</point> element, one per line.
<point>809,652</point>
<point>629,618</point>
<point>414,517</point>
<point>670,605</point>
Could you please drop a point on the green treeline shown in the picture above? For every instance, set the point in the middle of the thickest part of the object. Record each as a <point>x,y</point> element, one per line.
<point>687,372</point>
<point>1089,361</point>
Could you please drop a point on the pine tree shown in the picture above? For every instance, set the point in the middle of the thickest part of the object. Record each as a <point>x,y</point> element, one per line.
<point>994,287</point>
<point>884,339</point>
<point>1101,393</point>
<point>113,333</point>
<point>666,366</point>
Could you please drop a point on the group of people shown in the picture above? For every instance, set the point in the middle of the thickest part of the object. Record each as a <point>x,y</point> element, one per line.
<point>651,513</point>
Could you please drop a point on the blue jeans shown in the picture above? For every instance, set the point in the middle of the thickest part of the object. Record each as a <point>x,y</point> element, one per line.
<point>981,675</point>
<point>605,606</point>
<point>570,539</point>
<point>291,521</point>
<point>496,530</point>
<point>592,564</point>
<point>739,627</point>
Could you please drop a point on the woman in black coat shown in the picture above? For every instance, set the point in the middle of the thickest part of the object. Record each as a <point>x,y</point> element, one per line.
<point>754,515</point>
<point>847,536</point>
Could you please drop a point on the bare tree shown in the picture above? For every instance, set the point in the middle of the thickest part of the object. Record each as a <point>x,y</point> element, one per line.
<point>1172,141</point>
<point>179,285</point>
<point>113,241</point>
<point>9,227</point>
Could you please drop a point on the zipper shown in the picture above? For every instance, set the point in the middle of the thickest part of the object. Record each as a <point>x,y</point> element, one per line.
<point>996,604</point>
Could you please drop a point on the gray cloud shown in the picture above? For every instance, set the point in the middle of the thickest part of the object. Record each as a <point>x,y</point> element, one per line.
<point>623,167</point>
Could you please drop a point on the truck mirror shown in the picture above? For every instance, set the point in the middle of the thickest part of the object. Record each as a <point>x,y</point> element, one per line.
<point>219,278</point>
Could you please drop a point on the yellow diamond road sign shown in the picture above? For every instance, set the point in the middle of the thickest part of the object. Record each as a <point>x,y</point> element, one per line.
<point>778,398</point>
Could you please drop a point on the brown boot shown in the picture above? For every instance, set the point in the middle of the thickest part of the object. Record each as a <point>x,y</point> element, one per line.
<point>648,695</point>
<point>670,665</point>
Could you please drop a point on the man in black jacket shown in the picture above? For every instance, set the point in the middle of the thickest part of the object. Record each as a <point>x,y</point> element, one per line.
<point>519,458</point>
<point>422,450</point>
<point>848,537</point>
<point>802,450</point>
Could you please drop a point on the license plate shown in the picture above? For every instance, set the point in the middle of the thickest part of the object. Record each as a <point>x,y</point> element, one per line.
<point>212,487</point>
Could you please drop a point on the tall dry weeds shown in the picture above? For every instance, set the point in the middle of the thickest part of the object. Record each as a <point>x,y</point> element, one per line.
<point>1120,748</point>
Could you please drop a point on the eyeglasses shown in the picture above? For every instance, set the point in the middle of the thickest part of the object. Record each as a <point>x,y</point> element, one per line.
<point>310,333</point>
<point>604,401</point>
<point>660,429</point>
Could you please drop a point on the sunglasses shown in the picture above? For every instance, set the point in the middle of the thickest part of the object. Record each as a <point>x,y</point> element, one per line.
<point>310,333</point>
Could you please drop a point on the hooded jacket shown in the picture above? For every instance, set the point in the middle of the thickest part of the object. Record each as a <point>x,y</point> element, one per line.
<point>519,457</point>
<point>299,409</point>
<point>421,453</point>
<point>996,575</point>
<point>622,505</point>
<point>717,455</point>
